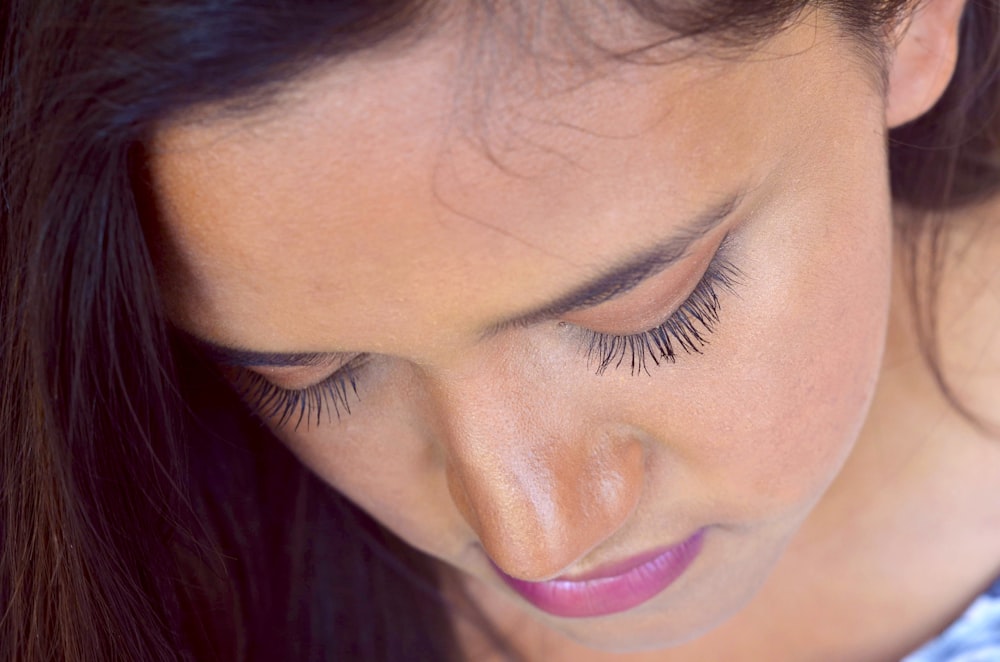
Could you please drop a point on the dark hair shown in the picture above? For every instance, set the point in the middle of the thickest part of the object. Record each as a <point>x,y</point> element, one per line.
<point>144,515</point>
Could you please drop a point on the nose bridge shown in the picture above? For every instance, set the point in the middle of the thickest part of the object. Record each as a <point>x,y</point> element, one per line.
<point>538,484</point>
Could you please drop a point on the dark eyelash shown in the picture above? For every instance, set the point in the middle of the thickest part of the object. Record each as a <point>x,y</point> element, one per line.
<point>333,395</point>
<point>687,328</point>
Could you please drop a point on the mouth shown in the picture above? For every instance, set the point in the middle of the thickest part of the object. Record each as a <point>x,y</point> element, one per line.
<point>613,588</point>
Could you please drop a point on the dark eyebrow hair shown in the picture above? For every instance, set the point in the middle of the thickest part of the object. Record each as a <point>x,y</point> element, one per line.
<point>248,358</point>
<point>617,281</point>
<point>629,273</point>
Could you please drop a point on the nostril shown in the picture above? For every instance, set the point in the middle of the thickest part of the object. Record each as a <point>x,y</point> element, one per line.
<point>539,516</point>
<point>523,533</point>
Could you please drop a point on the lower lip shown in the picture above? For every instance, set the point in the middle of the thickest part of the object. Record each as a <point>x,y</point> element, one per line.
<point>628,585</point>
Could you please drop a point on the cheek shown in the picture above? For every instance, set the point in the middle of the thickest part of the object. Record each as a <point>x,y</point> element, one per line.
<point>380,458</point>
<point>798,375</point>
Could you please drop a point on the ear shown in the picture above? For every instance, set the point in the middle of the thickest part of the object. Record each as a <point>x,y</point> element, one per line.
<point>923,60</point>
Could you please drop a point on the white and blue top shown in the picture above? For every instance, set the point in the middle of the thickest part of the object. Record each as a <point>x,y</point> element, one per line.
<point>973,637</point>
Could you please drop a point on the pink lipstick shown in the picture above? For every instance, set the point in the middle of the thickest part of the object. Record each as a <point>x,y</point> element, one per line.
<point>611,588</point>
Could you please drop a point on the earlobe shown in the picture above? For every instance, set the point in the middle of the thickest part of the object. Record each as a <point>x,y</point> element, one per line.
<point>923,59</point>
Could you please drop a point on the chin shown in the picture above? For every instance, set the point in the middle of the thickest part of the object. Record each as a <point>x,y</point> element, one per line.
<point>644,630</point>
<point>662,633</point>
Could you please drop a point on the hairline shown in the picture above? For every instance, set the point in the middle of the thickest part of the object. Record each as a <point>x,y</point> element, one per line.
<point>267,96</point>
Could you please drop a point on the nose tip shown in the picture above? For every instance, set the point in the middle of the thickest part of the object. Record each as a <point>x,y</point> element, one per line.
<point>536,513</point>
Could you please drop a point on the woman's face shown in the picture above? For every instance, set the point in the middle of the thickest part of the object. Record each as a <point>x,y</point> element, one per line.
<point>482,251</point>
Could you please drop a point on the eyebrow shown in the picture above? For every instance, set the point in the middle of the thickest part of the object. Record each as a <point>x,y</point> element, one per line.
<point>616,281</point>
<point>632,271</point>
<point>248,358</point>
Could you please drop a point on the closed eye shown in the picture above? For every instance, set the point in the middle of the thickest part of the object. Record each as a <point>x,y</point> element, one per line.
<point>329,398</point>
<point>686,329</point>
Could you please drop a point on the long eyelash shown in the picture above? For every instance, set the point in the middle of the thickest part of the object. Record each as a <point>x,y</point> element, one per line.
<point>332,395</point>
<point>687,328</point>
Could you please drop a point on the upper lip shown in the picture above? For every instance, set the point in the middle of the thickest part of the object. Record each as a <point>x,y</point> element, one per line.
<point>604,570</point>
<point>614,568</point>
<point>612,587</point>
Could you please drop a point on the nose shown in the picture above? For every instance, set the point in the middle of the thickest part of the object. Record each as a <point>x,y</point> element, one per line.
<point>536,479</point>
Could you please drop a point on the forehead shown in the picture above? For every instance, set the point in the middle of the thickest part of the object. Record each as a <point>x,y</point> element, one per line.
<point>409,190</point>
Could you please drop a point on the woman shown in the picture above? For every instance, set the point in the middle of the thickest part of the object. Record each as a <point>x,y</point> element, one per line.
<point>614,329</point>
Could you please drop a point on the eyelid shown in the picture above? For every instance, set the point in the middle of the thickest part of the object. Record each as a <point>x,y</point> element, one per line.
<point>686,326</point>
<point>332,393</point>
<point>666,289</point>
<point>300,377</point>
